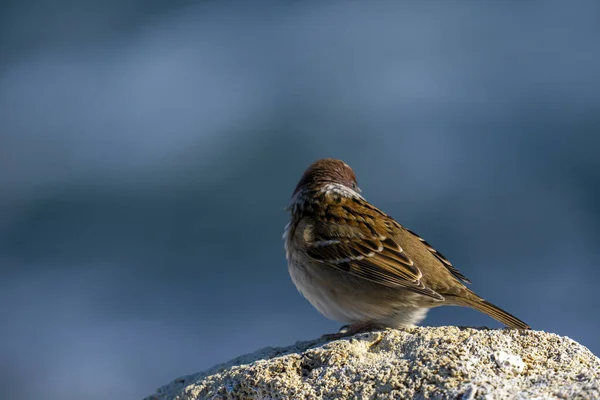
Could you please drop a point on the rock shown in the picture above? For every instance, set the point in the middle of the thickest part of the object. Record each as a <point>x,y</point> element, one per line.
<point>423,363</point>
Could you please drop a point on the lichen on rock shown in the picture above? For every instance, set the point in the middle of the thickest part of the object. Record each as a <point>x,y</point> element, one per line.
<point>423,363</point>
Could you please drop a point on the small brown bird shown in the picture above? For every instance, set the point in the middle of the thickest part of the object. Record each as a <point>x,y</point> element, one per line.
<point>357,265</point>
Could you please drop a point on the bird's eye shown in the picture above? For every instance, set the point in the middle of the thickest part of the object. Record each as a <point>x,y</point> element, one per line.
<point>354,186</point>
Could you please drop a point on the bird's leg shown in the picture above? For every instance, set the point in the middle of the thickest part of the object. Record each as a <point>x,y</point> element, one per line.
<point>353,329</point>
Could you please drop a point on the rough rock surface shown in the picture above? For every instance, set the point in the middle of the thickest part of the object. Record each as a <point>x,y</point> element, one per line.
<point>422,363</point>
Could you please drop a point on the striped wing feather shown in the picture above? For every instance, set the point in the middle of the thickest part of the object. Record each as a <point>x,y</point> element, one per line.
<point>353,241</point>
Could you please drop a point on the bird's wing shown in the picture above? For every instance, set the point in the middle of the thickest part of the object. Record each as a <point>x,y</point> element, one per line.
<point>355,237</point>
<point>443,259</point>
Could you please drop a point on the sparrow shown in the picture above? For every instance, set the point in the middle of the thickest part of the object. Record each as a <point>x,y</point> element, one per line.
<point>357,265</point>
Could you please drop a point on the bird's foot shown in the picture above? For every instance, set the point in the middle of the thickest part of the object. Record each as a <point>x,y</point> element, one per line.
<point>353,329</point>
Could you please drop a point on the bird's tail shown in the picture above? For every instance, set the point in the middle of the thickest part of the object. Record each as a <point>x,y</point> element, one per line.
<point>493,311</point>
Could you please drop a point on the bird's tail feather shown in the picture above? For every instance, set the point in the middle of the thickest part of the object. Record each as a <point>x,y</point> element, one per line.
<point>493,311</point>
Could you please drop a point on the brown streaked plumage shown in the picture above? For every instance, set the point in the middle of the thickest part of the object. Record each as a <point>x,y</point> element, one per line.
<point>357,265</point>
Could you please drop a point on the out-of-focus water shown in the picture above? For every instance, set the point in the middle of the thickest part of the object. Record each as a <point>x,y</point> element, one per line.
<point>147,154</point>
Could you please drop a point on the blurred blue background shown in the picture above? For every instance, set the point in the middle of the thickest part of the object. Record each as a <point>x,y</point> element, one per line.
<point>148,149</point>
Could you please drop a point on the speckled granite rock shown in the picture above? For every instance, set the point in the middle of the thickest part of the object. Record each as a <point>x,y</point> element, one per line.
<point>422,363</point>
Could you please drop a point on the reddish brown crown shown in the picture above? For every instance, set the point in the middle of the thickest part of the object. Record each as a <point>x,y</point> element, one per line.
<point>327,170</point>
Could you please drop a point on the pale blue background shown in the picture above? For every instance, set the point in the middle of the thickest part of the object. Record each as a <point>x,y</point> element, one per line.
<point>147,152</point>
